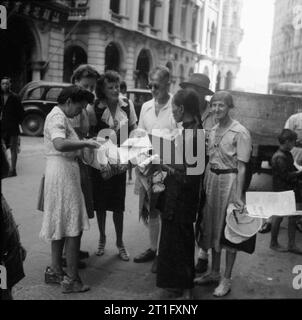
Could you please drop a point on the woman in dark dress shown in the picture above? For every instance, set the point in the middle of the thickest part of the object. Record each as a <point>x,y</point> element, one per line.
<point>180,204</point>
<point>115,112</point>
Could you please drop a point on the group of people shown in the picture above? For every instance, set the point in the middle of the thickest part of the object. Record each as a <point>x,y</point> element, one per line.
<point>74,192</point>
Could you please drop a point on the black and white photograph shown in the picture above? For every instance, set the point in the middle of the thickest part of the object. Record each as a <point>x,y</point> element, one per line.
<point>151,150</point>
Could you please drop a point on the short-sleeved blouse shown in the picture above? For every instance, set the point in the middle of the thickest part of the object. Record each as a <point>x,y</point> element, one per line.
<point>233,144</point>
<point>57,125</point>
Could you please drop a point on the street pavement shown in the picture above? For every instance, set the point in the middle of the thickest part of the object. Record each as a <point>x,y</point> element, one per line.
<point>264,275</point>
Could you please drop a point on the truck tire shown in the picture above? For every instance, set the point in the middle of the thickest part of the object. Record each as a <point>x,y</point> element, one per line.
<point>33,124</point>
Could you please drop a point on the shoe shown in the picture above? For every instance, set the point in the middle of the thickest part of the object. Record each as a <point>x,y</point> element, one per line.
<point>266,228</point>
<point>81,264</point>
<point>224,288</point>
<point>52,277</point>
<point>69,285</point>
<point>12,173</point>
<point>278,248</point>
<point>123,254</point>
<point>101,248</point>
<point>146,256</point>
<point>83,255</point>
<point>201,266</point>
<point>154,265</point>
<point>207,279</point>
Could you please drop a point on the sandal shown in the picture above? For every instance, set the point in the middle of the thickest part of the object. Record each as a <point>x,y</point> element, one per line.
<point>123,254</point>
<point>69,285</point>
<point>101,249</point>
<point>52,277</point>
<point>266,228</point>
<point>224,288</point>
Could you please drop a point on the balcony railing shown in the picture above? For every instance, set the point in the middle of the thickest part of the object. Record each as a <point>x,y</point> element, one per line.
<point>78,13</point>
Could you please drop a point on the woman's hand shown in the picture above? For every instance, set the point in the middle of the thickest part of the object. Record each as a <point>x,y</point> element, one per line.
<point>239,204</point>
<point>91,144</point>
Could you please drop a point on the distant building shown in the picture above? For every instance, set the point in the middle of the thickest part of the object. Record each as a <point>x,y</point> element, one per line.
<point>286,48</point>
<point>129,36</point>
<point>229,61</point>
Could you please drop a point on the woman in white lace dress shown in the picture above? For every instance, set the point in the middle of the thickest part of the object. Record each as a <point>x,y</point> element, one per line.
<point>65,214</point>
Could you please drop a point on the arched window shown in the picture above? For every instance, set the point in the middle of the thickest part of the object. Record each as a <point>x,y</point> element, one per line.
<point>183,24</point>
<point>213,37</point>
<point>74,56</point>
<point>170,67</point>
<point>143,66</point>
<point>181,73</point>
<point>115,6</point>
<point>194,24</point>
<point>218,81</point>
<point>229,81</point>
<point>141,11</point>
<point>171,16</point>
<point>112,57</point>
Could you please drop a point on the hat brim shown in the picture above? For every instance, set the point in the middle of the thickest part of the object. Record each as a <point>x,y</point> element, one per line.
<point>207,91</point>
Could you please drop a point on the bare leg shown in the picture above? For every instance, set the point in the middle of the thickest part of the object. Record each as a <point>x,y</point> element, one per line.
<point>292,235</point>
<point>72,256</point>
<point>101,218</point>
<point>230,258</point>
<point>216,258</point>
<point>118,219</point>
<point>56,255</point>
<point>274,245</point>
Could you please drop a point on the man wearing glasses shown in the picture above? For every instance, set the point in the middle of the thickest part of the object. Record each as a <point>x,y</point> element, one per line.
<point>156,114</point>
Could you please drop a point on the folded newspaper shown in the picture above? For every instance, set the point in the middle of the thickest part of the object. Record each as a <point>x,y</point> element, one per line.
<point>267,204</point>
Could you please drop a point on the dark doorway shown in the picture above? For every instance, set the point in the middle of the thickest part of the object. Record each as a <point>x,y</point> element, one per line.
<point>112,57</point>
<point>143,68</point>
<point>16,57</point>
<point>218,81</point>
<point>229,81</point>
<point>74,56</point>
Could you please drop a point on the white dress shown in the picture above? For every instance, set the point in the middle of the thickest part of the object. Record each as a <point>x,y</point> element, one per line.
<point>64,205</point>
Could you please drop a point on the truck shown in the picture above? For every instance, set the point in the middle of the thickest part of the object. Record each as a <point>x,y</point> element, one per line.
<point>264,115</point>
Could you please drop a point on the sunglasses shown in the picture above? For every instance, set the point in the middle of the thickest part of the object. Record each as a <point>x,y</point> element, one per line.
<point>153,85</point>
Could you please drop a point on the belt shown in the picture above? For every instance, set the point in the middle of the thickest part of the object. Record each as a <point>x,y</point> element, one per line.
<point>223,171</point>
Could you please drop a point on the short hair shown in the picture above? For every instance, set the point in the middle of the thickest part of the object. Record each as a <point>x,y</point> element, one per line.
<point>224,96</point>
<point>111,77</point>
<point>84,71</point>
<point>189,99</point>
<point>6,78</point>
<point>163,71</point>
<point>287,135</point>
<point>123,85</point>
<point>75,94</point>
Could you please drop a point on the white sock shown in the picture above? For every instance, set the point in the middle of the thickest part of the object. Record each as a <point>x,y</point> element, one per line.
<point>154,232</point>
<point>203,254</point>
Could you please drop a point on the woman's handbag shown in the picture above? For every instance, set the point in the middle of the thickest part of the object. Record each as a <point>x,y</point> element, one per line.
<point>40,205</point>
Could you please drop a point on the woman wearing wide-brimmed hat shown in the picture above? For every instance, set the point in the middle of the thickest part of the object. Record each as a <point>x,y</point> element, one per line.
<point>229,150</point>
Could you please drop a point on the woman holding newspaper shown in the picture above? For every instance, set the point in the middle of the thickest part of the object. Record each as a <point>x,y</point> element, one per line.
<point>116,114</point>
<point>229,152</point>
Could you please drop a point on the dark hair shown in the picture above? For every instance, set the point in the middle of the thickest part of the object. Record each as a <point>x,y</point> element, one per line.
<point>189,99</point>
<point>84,71</point>
<point>287,135</point>
<point>123,85</point>
<point>75,94</point>
<point>111,77</point>
<point>224,96</point>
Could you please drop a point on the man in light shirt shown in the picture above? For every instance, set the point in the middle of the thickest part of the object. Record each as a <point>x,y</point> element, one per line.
<point>156,114</point>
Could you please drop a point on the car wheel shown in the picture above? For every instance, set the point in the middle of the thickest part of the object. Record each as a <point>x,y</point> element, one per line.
<point>33,124</point>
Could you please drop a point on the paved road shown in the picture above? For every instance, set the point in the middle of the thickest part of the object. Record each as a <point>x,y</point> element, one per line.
<point>264,275</point>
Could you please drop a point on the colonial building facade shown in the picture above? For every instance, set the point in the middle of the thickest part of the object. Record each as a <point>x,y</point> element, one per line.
<point>286,48</point>
<point>129,36</point>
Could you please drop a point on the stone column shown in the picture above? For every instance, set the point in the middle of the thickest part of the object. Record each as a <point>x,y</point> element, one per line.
<point>147,12</point>
<point>96,47</point>
<point>165,19</point>
<point>99,9</point>
<point>204,33</point>
<point>159,18</point>
<point>123,7</point>
<point>198,29</point>
<point>189,21</point>
<point>177,16</point>
<point>219,27</point>
<point>130,66</point>
<point>134,14</point>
